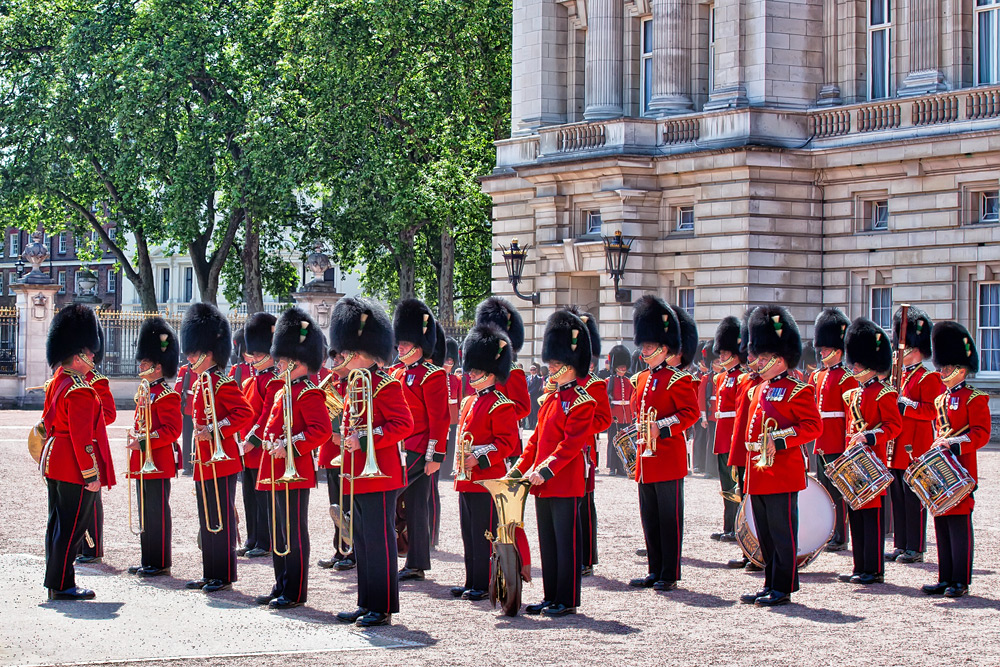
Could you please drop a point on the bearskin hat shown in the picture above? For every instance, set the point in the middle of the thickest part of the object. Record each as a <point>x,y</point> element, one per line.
<point>488,349</point>
<point>73,329</point>
<point>830,329</point>
<point>689,337</point>
<point>158,343</point>
<point>99,352</point>
<point>440,346</point>
<point>745,334</point>
<point>918,330</point>
<point>868,344</point>
<point>205,330</point>
<point>239,344</point>
<point>809,357</point>
<point>296,336</point>
<point>619,356</point>
<point>451,350</point>
<point>773,330</point>
<point>414,323</point>
<point>727,336</point>
<point>360,325</point>
<point>501,312</point>
<point>566,340</point>
<point>258,333</point>
<point>637,363</point>
<point>953,345</point>
<point>593,330</point>
<point>655,322</point>
<point>706,353</point>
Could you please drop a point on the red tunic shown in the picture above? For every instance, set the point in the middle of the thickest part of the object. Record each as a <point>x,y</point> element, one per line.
<point>233,415</point>
<point>102,385</point>
<point>872,410</point>
<point>73,451</point>
<point>792,405</point>
<point>454,398</point>
<point>923,387</point>
<point>829,385</point>
<point>621,399</point>
<point>391,424</point>
<point>674,397</point>
<point>555,449</point>
<point>240,372</point>
<point>311,427</point>
<point>738,448</point>
<point>425,388</point>
<point>187,395</point>
<point>516,389</point>
<point>260,391</point>
<point>165,427</point>
<point>598,390</point>
<point>965,424</point>
<point>328,451</point>
<point>490,417</point>
<point>726,388</point>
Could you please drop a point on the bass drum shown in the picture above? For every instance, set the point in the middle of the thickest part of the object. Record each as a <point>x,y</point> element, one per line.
<point>817,520</point>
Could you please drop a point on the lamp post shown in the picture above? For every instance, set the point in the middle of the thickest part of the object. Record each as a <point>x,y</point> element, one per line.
<point>19,267</point>
<point>514,257</point>
<point>616,250</point>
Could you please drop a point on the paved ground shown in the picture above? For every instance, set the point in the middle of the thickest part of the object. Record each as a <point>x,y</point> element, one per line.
<point>699,624</point>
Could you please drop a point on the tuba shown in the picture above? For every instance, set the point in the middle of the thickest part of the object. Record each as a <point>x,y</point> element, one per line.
<point>290,474</point>
<point>509,496</point>
<point>144,415</point>
<point>334,401</point>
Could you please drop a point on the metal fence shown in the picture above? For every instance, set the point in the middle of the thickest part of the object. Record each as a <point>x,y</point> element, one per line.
<point>8,340</point>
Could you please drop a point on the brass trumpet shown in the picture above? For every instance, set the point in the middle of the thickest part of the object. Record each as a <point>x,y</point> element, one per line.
<point>359,400</point>
<point>763,460</point>
<point>207,390</point>
<point>463,449</point>
<point>291,474</point>
<point>144,414</point>
<point>644,426</point>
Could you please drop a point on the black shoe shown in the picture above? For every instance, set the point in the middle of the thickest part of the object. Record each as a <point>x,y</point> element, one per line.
<point>458,591</point>
<point>374,618</point>
<point>910,556</point>
<point>729,537</point>
<point>866,579</point>
<point>154,572</point>
<point>586,570</point>
<point>409,574</point>
<point>956,591</point>
<point>936,589</point>
<point>753,567</point>
<point>847,578</point>
<point>773,599</point>
<point>535,609</point>
<point>264,600</point>
<point>283,603</point>
<point>664,585</point>
<point>558,610</point>
<point>197,584</point>
<point>83,560</point>
<point>717,536</point>
<point>641,552</point>
<point>134,569</point>
<point>644,582</point>
<point>475,595</point>
<point>836,546</point>
<point>893,555</point>
<point>351,616</point>
<point>750,598</point>
<point>257,552</point>
<point>213,585</point>
<point>737,563</point>
<point>242,551</point>
<point>327,564</point>
<point>346,564</point>
<point>75,593</point>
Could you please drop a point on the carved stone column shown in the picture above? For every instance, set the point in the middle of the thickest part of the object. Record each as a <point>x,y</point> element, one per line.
<point>925,75</point>
<point>829,94</point>
<point>605,69</point>
<point>671,57</point>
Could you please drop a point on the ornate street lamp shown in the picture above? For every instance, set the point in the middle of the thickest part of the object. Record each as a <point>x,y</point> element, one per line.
<point>514,257</point>
<point>19,266</point>
<point>616,250</point>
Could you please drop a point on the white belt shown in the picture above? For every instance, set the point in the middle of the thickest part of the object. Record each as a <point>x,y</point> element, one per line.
<point>725,415</point>
<point>620,402</point>
<point>831,415</point>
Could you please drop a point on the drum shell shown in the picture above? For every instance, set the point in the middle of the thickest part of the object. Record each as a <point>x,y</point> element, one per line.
<point>625,444</point>
<point>939,481</point>
<point>860,476</point>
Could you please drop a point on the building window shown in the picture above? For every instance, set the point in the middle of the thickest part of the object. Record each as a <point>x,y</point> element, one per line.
<point>711,48</point>
<point>112,281</point>
<point>685,300</point>
<point>95,239</point>
<point>874,215</point>
<point>62,243</point>
<point>15,245</point>
<point>62,282</point>
<point>165,285</point>
<point>646,65</point>
<point>188,284</point>
<point>113,233</point>
<point>685,218</point>
<point>988,206</point>
<point>592,223</point>
<point>3,285</point>
<point>989,327</point>
<point>882,306</point>
<point>879,42</point>
<point>987,45</point>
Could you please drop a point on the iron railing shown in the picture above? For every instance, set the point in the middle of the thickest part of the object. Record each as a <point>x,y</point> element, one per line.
<point>8,340</point>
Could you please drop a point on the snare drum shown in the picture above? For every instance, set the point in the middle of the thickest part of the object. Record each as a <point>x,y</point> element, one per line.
<point>939,480</point>
<point>817,519</point>
<point>626,445</point>
<point>859,475</point>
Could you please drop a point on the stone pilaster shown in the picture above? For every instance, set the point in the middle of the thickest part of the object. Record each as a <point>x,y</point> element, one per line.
<point>605,69</point>
<point>730,88</point>
<point>672,30</point>
<point>538,67</point>
<point>829,94</point>
<point>925,75</point>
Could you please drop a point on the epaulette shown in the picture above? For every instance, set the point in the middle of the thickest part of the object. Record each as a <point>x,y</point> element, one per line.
<point>167,390</point>
<point>799,386</point>
<point>516,366</point>
<point>97,377</point>
<point>591,379</point>
<point>581,397</point>
<point>274,376</point>
<point>431,370</point>
<point>79,383</point>
<point>886,389</point>
<point>384,380</point>
<point>467,399</point>
<point>976,393</point>
<point>309,386</point>
<point>677,376</point>
<point>223,379</point>
<point>501,400</point>
<point>847,374</point>
<point>635,379</point>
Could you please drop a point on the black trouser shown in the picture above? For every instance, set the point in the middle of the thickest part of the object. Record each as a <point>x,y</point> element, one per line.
<point>417,499</point>
<point>333,488</point>
<point>256,505</point>
<point>477,513</point>
<point>435,509</point>
<point>218,550</point>
<point>96,528</point>
<point>375,545</point>
<point>187,433</point>
<point>71,512</point>
<point>729,487</point>
<point>699,447</point>
<point>661,506</point>
<point>615,465</point>
<point>708,458</point>
<point>291,571</point>
<point>909,518</point>
<point>869,544</point>
<point>155,539</point>
<point>776,516</point>
<point>840,535</point>
<point>449,456</point>
<point>587,533</point>
<point>557,525</point>
<point>955,547</point>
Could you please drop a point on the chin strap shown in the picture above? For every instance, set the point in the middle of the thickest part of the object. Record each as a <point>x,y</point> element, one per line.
<point>198,362</point>
<point>769,365</point>
<point>263,363</point>
<point>646,357</point>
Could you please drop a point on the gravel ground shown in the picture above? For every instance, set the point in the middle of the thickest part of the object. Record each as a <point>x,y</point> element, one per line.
<point>701,623</point>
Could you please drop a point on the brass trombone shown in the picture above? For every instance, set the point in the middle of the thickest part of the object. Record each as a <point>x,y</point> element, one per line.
<point>463,449</point>
<point>290,475</point>
<point>359,400</point>
<point>644,426</point>
<point>207,389</point>
<point>144,413</point>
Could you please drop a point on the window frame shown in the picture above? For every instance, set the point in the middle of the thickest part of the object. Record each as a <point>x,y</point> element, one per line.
<point>61,279</point>
<point>63,243</point>
<point>712,35</point>
<point>681,292</point>
<point>112,281</point>
<point>645,60</point>
<point>977,11</point>
<point>679,212</point>
<point>983,196</point>
<point>882,307</point>
<point>165,284</point>
<point>188,284</point>
<point>983,359</point>
<point>588,230</point>
<point>886,78</point>
<point>14,245</point>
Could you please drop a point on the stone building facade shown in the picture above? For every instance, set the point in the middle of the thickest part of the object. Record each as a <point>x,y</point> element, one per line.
<point>798,152</point>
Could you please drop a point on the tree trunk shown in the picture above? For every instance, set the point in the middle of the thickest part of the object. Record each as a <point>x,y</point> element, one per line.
<point>146,283</point>
<point>407,267</point>
<point>446,277</point>
<point>253,293</point>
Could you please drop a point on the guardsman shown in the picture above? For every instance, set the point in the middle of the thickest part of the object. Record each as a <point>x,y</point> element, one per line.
<point>620,391</point>
<point>361,331</point>
<point>260,392</point>
<point>76,461</point>
<point>488,428</point>
<point>220,414</point>
<point>873,418</point>
<point>438,360</point>
<point>727,349</point>
<point>782,418</point>
<point>185,387</point>
<point>298,348</point>
<point>830,383</point>
<point>917,393</point>
<point>330,458</point>
<point>553,461</point>
<point>963,427</point>
<point>426,390</point>
<point>665,404</point>
<point>241,370</point>
<point>158,354</point>
<point>451,365</point>
<point>499,311</point>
